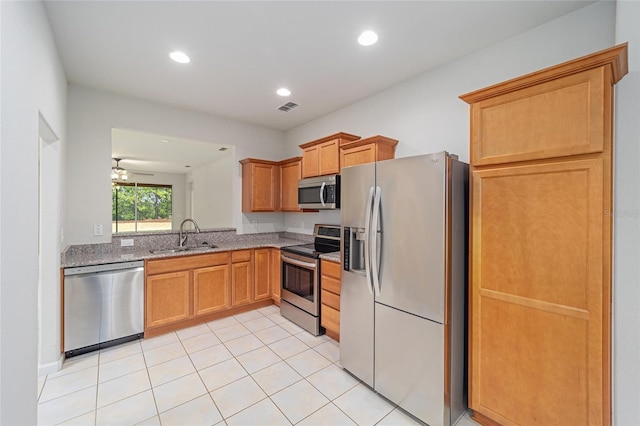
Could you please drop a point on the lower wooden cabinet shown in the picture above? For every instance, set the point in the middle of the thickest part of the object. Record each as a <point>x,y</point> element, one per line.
<point>276,270</point>
<point>261,274</point>
<point>168,298</point>
<point>330,298</point>
<point>183,291</point>
<point>211,289</point>
<point>241,278</point>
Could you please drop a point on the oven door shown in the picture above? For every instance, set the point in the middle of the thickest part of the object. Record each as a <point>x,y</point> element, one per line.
<point>300,282</point>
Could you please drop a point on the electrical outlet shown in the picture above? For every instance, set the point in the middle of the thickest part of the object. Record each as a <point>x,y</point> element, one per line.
<point>97,230</point>
<point>126,242</point>
<point>254,224</point>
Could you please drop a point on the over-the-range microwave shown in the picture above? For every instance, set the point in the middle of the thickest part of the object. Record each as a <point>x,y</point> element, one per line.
<point>321,192</point>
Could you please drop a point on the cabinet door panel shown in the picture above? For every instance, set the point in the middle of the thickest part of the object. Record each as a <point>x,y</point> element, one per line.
<point>167,298</point>
<point>358,155</point>
<point>310,161</point>
<point>263,194</point>
<point>211,289</point>
<point>537,283</point>
<point>242,283</point>
<point>290,174</point>
<point>275,275</point>
<point>565,116</point>
<point>261,271</point>
<point>329,158</point>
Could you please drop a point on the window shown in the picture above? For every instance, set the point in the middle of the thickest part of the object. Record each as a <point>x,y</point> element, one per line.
<point>139,207</point>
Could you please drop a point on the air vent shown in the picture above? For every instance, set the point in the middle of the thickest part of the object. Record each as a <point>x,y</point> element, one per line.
<point>288,107</point>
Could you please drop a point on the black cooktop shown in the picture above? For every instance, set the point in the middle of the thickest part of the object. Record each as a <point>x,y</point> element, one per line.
<point>327,240</point>
<point>314,249</point>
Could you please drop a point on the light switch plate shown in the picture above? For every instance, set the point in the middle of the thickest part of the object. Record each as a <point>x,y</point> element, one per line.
<point>126,242</point>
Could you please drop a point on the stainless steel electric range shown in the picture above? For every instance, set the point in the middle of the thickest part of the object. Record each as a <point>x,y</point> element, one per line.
<point>300,295</point>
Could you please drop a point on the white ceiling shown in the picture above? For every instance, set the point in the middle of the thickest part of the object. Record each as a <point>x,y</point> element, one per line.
<point>149,153</point>
<point>242,51</point>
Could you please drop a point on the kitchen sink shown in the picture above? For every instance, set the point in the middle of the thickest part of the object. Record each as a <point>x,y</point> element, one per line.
<point>182,249</point>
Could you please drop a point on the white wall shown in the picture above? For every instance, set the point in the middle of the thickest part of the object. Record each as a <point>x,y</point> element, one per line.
<point>626,260</point>
<point>211,193</point>
<point>33,83</point>
<point>92,115</point>
<point>425,113</point>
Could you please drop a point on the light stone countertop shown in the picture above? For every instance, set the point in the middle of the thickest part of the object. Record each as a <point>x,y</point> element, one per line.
<point>97,254</point>
<point>333,256</point>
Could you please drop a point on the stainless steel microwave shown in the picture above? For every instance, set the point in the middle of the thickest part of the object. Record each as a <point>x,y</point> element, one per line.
<point>322,192</point>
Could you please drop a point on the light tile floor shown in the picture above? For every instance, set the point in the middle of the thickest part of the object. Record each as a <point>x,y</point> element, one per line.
<point>255,368</point>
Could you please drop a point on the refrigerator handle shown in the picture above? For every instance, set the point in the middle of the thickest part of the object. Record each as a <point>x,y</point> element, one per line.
<point>367,248</point>
<point>374,242</point>
<point>322,193</point>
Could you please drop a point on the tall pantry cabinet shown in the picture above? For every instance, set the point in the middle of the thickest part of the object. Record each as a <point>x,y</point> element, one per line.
<point>541,229</point>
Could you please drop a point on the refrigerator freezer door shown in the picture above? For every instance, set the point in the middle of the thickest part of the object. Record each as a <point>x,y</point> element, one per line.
<point>356,298</point>
<point>356,327</point>
<point>409,364</point>
<point>411,234</point>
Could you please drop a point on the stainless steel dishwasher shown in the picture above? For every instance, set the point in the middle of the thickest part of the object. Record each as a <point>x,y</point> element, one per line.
<point>103,306</point>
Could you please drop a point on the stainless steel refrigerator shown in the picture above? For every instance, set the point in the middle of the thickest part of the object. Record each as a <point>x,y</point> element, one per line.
<point>403,283</point>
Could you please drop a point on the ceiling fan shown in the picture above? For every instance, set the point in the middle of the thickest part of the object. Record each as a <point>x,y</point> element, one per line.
<point>119,174</point>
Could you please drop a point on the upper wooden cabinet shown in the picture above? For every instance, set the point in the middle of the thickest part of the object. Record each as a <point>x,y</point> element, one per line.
<point>260,185</point>
<point>540,276</point>
<point>375,148</point>
<point>290,174</point>
<point>322,156</point>
<point>559,111</point>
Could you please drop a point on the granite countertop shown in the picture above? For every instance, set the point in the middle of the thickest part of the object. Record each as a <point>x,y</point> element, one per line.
<point>333,256</point>
<point>97,254</point>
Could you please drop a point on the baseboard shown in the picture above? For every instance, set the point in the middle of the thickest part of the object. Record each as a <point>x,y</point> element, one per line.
<point>51,367</point>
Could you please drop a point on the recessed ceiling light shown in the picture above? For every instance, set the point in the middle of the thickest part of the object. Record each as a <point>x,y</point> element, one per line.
<point>164,140</point>
<point>368,38</point>
<point>180,57</point>
<point>283,91</point>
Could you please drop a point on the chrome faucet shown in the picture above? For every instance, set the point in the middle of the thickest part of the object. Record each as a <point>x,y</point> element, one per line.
<point>183,236</point>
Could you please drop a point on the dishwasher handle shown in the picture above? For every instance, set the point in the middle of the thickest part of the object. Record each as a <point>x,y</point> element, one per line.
<point>109,267</point>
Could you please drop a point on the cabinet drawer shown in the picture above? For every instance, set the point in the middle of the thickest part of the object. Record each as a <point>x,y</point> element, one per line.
<point>181,263</point>
<point>330,318</point>
<point>331,269</point>
<point>330,299</point>
<point>240,256</point>
<point>330,284</point>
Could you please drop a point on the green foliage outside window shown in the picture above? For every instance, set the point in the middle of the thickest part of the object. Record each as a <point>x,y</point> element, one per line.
<point>138,203</point>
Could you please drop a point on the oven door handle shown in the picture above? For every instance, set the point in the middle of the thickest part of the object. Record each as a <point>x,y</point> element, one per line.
<point>300,263</point>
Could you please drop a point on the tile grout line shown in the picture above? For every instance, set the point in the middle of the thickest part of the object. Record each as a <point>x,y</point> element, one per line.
<point>153,395</point>
<point>263,344</point>
<point>250,375</point>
